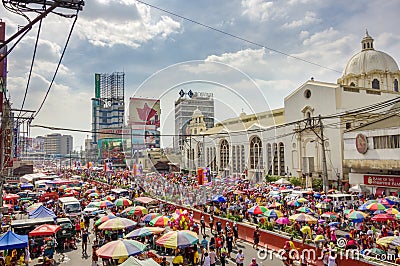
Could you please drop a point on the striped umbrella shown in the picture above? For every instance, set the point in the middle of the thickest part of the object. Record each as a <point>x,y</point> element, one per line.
<point>294,203</point>
<point>159,221</point>
<point>145,231</point>
<point>93,195</point>
<point>385,202</point>
<point>383,217</point>
<point>348,211</point>
<point>330,215</point>
<point>283,220</point>
<point>117,224</point>
<point>148,217</point>
<point>109,197</point>
<point>105,219</point>
<point>257,210</point>
<point>305,210</point>
<point>103,204</point>
<point>178,239</point>
<point>302,217</point>
<point>392,211</point>
<point>375,207</point>
<point>302,200</point>
<point>392,199</point>
<point>274,205</point>
<point>273,214</point>
<point>122,202</point>
<point>121,248</point>
<point>356,216</point>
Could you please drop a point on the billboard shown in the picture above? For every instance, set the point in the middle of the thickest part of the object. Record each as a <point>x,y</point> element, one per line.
<point>97,85</point>
<point>144,112</point>
<point>112,149</point>
<point>145,138</point>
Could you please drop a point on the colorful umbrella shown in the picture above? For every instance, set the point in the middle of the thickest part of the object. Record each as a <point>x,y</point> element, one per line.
<point>385,241</point>
<point>392,199</point>
<point>139,211</point>
<point>121,248</point>
<point>302,217</point>
<point>93,195</point>
<point>145,231</point>
<point>385,202</point>
<point>178,239</point>
<point>122,202</point>
<point>34,206</point>
<point>105,219</point>
<point>302,200</point>
<point>257,210</point>
<point>356,216</point>
<point>392,211</point>
<point>273,214</point>
<point>109,197</point>
<point>159,221</point>
<point>89,191</point>
<point>375,207</point>
<point>304,209</point>
<point>103,204</point>
<point>330,215</point>
<point>219,198</point>
<point>148,217</point>
<point>348,211</point>
<point>93,204</point>
<point>283,220</point>
<point>382,217</point>
<point>117,224</point>
<point>294,203</point>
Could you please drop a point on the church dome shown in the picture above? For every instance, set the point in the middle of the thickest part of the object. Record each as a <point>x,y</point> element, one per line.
<point>369,60</point>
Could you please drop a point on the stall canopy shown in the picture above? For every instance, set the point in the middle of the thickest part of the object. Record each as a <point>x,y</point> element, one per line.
<point>26,186</point>
<point>357,188</point>
<point>41,212</point>
<point>132,261</point>
<point>282,181</point>
<point>11,240</point>
<point>45,230</point>
<point>145,200</point>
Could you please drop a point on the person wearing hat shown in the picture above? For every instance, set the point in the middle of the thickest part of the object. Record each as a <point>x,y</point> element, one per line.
<point>253,262</point>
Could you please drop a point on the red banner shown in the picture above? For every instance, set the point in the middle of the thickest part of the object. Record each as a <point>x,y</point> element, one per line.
<point>382,181</point>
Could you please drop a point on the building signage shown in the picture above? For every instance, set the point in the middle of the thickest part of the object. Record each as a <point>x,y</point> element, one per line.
<point>361,143</point>
<point>382,181</point>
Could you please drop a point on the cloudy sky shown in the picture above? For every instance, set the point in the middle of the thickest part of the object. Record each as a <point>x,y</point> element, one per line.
<point>161,53</point>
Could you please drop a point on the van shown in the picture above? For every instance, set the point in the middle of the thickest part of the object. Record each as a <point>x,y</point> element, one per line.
<point>342,198</point>
<point>70,206</point>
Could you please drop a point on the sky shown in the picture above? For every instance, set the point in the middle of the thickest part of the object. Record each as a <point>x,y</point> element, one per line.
<point>246,52</point>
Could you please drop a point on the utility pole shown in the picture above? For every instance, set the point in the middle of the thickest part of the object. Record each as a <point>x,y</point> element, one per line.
<point>324,167</point>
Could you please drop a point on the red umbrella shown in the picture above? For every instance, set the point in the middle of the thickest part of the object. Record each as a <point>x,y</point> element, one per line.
<point>383,217</point>
<point>45,230</point>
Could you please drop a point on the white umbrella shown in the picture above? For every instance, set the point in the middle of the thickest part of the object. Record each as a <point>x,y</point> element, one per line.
<point>282,181</point>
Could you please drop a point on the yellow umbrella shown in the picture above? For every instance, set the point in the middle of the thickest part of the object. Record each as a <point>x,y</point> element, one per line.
<point>302,200</point>
<point>385,241</point>
<point>302,217</point>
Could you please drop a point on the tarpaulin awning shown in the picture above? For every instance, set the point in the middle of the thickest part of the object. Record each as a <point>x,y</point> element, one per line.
<point>132,261</point>
<point>11,240</point>
<point>45,230</point>
<point>41,212</point>
<point>145,200</point>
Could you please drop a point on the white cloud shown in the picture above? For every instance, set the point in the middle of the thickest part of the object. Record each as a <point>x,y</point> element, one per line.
<point>128,30</point>
<point>258,10</point>
<point>304,34</point>
<point>239,59</point>
<point>309,18</point>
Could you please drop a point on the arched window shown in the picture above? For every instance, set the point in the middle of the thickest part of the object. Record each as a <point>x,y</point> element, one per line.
<point>282,159</point>
<point>396,85</point>
<point>352,84</point>
<point>223,154</point>
<point>255,153</point>
<point>234,157</point>
<point>275,161</point>
<point>269,158</point>
<point>242,159</point>
<point>375,84</point>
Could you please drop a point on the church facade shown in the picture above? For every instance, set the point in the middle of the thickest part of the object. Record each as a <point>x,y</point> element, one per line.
<point>305,137</point>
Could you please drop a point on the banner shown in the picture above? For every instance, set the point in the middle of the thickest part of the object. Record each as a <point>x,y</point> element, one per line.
<point>97,86</point>
<point>382,181</point>
<point>144,112</point>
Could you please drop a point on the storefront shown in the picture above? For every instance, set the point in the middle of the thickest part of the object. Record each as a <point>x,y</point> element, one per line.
<point>379,185</point>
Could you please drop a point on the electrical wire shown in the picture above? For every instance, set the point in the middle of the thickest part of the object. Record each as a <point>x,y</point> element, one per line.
<point>31,67</point>
<point>58,65</point>
<point>236,36</point>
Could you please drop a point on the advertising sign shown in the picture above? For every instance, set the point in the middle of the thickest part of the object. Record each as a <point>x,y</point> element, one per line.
<point>382,181</point>
<point>144,112</point>
<point>97,85</point>
<point>145,139</point>
<point>113,150</point>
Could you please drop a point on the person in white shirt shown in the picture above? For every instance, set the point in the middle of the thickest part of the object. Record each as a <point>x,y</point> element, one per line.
<point>240,258</point>
<point>332,259</point>
<point>206,260</point>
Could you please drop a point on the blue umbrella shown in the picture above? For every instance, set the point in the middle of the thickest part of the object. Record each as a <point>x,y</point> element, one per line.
<point>363,207</point>
<point>219,198</point>
<point>333,224</point>
<point>379,212</point>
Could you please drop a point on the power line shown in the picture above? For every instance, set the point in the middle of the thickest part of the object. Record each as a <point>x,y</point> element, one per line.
<point>236,36</point>
<point>58,65</point>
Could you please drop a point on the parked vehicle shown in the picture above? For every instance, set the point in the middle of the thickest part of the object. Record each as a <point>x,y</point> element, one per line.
<point>70,206</point>
<point>23,227</point>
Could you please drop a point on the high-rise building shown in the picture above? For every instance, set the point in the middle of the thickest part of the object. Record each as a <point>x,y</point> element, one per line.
<point>184,108</point>
<point>57,144</point>
<point>108,105</point>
